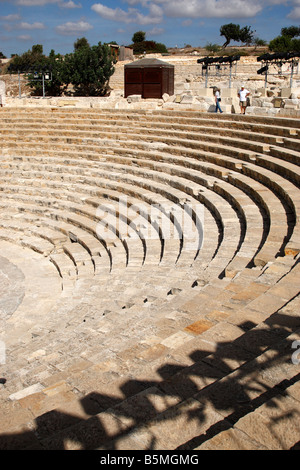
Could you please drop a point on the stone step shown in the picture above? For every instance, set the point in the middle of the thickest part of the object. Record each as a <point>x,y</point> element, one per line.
<point>135,339</point>
<point>264,202</point>
<point>258,141</point>
<point>85,120</point>
<point>92,127</point>
<point>209,167</point>
<point>232,214</point>
<point>224,384</point>
<point>190,140</point>
<point>286,169</point>
<point>247,168</point>
<point>183,116</point>
<point>67,436</point>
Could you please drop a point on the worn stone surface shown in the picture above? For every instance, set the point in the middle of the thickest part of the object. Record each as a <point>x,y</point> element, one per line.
<point>135,342</point>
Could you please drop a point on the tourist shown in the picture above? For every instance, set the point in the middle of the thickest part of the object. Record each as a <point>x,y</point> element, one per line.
<point>217,99</point>
<point>243,94</point>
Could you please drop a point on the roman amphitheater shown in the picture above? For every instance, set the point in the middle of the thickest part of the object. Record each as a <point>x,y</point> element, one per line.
<point>149,276</point>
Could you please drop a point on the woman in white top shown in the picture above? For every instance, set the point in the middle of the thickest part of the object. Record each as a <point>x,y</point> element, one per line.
<point>242,94</point>
<point>217,100</point>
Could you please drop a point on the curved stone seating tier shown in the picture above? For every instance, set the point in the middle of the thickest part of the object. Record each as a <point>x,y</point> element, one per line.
<point>160,261</point>
<point>260,175</point>
<point>208,199</point>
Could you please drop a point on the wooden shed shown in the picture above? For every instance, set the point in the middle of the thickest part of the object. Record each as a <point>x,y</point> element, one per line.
<point>150,78</point>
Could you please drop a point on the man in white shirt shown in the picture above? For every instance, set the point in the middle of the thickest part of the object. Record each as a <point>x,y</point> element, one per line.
<point>242,94</point>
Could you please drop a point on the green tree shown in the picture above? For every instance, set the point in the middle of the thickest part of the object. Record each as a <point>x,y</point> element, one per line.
<point>82,42</point>
<point>230,32</point>
<point>212,48</point>
<point>28,59</point>
<point>246,35</point>
<point>37,50</point>
<point>89,69</point>
<point>291,31</point>
<point>149,47</point>
<point>233,32</point>
<point>160,48</point>
<point>287,42</point>
<point>34,64</point>
<point>281,44</point>
<point>259,42</point>
<point>51,68</point>
<point>140,45</point>
<point>139,36</point>
<point>296,45</point>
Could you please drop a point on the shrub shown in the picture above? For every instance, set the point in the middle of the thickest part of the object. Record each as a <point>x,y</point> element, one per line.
<point>89,69</point>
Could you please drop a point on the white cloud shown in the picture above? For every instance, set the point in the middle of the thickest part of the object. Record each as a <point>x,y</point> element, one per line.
<point>25,37</point>
<point>10,18</point>
<point>132,15</point>
<point>211,8</point>
<point>295,13</point>
<point>35,25</point>
<point>70,5</point>
<point>35,3</point>
<point>156,31</point>
<point>158,9</point>
<point>218,8</point>
<point>70,28</point>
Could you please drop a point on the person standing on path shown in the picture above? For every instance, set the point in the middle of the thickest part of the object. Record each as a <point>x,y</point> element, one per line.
<point>243,94</point>
<point>217,99</point>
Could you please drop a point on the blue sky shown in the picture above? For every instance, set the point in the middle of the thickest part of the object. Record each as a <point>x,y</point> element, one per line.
<point>56,24</point>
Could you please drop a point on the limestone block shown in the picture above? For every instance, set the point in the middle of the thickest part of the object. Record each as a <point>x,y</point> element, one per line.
<point>204,105</point>
<point>292,102</point>
<point>122,104</point>
<point>171,105</point>
<point>228,93</point>
<point>289,106</point>
<point>278,102</point>
<point>235,108</point>
<point>270,93</point>
<point>198,86</point>
<point>256,110</point>
<point>62,103</point>
<point>257,102</point>
<point>289,112</point>
<point>204,92</point>
<point>262,91</point>
<point>171,99</point>
<point>286,92</point>
<point>226,108</point>
<point>267,104</point>
<point>187,99</point>
<point>134,98</point>
<point>295,92</point>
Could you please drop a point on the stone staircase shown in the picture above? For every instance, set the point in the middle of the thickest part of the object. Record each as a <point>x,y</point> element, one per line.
<point>160,254</point>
